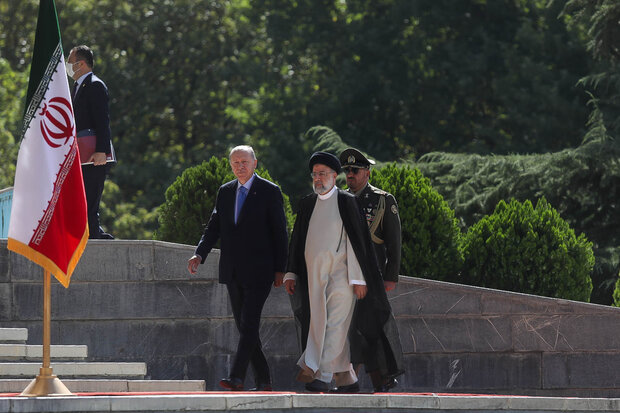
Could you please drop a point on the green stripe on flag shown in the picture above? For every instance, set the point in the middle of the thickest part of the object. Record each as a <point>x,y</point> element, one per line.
<point>45,58</point>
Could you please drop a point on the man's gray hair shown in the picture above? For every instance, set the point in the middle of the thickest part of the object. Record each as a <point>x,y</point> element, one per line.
<point>243,148</point>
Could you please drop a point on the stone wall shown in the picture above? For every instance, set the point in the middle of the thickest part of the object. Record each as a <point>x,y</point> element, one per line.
<point>135,301</point>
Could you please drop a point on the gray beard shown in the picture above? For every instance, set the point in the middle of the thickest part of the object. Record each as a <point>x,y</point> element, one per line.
<point>323,189</point>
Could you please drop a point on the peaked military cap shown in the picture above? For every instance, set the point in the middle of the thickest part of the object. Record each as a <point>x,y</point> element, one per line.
<point>353,157</point>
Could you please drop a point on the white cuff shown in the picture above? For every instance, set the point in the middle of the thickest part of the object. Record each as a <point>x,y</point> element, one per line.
<point>357,282</point>
<point>290,276</point>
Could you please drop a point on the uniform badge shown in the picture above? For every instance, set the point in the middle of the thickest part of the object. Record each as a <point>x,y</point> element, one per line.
<point>394,209</point>
<point>351,159</point>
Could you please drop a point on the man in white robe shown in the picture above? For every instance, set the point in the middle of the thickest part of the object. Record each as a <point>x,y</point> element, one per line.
<point>334,281</point>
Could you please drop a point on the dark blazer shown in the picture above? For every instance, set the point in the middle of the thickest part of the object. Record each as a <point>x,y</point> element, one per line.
<point>90,107</point>
<point>254,248</point>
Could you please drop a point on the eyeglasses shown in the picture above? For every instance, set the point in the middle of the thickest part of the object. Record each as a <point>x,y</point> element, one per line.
<point>352,170</point>
<point>321,174</point>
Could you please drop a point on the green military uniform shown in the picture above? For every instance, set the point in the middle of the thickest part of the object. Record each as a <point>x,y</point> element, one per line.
<point>381,213</point>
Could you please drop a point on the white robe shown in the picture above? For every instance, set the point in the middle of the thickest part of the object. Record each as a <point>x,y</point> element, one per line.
<point>332,271</point>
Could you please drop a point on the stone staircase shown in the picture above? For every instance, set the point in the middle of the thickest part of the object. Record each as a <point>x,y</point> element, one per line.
<point>20,363</point>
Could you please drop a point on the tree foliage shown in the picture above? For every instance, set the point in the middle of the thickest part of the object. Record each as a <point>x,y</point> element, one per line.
<point>529,250</point>
<point>396,78</point>
<point>430,233</point>
<point>189,79</point>
<point>408,77</point>
<point>125,219</point>
<point>582,184</point>
<point>12,91</point>
<point>602,21</point>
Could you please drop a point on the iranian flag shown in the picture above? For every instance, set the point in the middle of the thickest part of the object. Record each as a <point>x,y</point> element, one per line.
<point>48,216</point>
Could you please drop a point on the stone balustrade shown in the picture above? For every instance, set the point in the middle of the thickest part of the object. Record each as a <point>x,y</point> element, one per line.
<point>134,301</point>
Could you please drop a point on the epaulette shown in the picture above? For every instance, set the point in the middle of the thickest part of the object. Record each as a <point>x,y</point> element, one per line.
<point>378,191</point>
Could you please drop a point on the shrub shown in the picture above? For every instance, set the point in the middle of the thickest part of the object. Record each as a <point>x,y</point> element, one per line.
<point>191,197</point>
<point>124,219</point>
<point>617,293</point>
<point>430,233</point>
<point>583,184</point>
<point>529,250</point>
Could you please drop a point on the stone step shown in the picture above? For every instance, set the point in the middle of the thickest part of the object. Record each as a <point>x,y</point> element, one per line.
<point>13,335</point>
<point>75,369</point>
<point>35,352</point>
<point>111,386</point>
<point>307,403</point>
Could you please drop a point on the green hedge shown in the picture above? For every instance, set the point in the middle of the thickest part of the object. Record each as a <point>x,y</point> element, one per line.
<point>617,293</point>
<point>583,184</point>
<point>124,219</point>
<point>430,233</point>
<point>191,197</point>
<point>530,250</point>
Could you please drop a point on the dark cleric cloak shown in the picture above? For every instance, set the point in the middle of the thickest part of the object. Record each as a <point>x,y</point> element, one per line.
<point>371,322</point>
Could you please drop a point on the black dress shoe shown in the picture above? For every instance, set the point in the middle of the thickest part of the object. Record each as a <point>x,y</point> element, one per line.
<point>262,387</point>
<point>232,383</point>
<point>101,235</point>
<point>349,388</point>
<point>317,386</point>
<point>386,386</point>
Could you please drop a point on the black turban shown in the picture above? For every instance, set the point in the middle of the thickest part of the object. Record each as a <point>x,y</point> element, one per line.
<point>325,158</point>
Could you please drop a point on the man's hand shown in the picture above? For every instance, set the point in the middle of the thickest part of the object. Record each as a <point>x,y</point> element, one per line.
<point>192,264</point>
<point>290,286</point>
<point>360,290</point>
<point>389,285</point>
<point>98,158</point>
<point>278,279</point>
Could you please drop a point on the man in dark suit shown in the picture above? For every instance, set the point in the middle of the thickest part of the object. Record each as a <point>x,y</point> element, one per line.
<point>92,117</point>
<point>248,219</point>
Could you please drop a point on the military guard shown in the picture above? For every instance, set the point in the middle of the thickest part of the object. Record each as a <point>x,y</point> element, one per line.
<point>381,211</point>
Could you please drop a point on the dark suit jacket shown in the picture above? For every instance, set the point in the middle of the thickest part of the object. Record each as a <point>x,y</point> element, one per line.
<point>254,248</point>
<point>90,107</point>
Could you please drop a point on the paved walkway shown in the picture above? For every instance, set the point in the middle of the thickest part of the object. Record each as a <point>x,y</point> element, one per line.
<point>280,402</point>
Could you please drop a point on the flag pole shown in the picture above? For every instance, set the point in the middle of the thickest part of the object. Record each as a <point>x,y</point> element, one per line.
<point>46,383</point>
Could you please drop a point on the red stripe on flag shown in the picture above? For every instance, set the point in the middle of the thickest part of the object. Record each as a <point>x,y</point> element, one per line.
<point>66,229</point>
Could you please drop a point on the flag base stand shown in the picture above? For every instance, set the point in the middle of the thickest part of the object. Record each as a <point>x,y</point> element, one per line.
<point>46,384</point>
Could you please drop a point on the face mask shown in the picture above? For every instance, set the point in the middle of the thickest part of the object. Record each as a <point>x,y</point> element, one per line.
<point>69,66</point>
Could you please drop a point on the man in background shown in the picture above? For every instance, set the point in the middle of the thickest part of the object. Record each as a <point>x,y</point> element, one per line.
<point>92,117</point>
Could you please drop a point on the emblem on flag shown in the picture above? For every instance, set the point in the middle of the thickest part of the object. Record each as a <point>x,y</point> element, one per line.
<point>63,108</point>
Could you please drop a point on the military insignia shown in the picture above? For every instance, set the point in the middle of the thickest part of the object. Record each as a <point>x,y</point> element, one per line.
<point>394,209</point>
<point>351,159</point>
